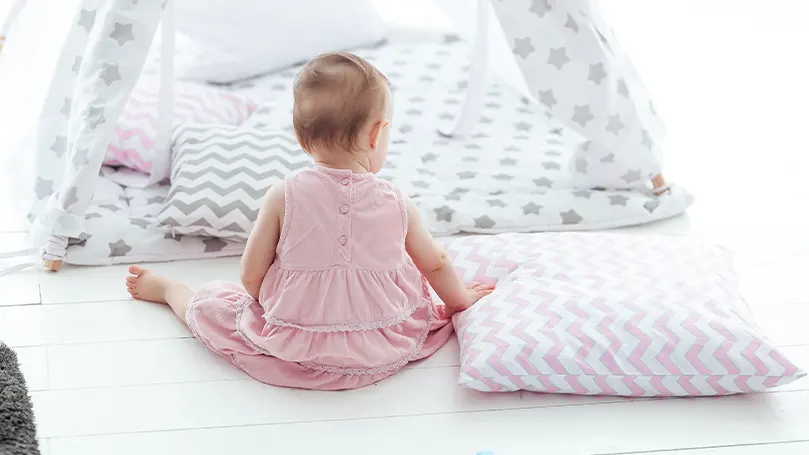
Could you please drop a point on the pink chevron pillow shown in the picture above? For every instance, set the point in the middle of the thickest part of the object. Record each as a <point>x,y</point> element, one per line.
<point>610,314</point>
<point>133,145</point>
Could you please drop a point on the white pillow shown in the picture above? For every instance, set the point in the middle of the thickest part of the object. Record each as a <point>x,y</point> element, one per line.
<point>226,40</point>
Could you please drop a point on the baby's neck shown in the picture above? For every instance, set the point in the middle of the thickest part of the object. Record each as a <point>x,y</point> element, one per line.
<point>347,165</point>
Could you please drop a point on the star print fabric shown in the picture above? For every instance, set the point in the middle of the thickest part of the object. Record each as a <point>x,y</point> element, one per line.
<point>574,67</point>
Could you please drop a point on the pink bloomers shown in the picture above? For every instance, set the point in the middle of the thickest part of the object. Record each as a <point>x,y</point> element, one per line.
<point>343,305</point>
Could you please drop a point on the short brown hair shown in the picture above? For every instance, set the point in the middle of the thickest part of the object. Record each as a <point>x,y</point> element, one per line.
<point>336,95</point>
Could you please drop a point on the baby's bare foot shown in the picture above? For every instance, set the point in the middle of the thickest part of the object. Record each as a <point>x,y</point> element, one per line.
<point>143,284</point>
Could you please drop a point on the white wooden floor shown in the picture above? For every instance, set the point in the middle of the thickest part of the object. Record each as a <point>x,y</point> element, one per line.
<point>109,375</point>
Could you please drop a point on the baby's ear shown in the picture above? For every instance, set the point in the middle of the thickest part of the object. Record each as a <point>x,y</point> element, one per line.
<point>376,133</point>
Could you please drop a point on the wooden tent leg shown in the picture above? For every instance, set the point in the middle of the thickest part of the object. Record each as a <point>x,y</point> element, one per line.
<point>52,265</point>
<point>659,184</point>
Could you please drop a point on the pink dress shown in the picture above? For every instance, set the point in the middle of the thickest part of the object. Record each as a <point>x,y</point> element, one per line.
<point>343,305</point>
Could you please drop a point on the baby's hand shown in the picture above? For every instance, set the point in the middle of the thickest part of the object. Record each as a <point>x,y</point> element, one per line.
<point>474,292</point>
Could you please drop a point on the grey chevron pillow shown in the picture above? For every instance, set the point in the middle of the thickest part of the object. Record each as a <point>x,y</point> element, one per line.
<point>219,175</point>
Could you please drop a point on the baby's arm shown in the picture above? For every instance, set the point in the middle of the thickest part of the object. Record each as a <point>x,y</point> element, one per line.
<point>260,250</point>
<point>434,263</point>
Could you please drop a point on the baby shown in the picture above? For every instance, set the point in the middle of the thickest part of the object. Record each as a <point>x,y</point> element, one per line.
<point>335,273</point>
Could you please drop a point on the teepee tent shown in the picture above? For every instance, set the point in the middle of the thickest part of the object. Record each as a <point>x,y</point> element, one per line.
<point>555,57</point>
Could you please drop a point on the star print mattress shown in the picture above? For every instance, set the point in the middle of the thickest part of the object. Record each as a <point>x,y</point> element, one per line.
<point>512,174</point>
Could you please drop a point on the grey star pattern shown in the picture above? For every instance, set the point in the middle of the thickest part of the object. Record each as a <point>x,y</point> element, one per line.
<point>652,108</point>
<point>546,97</point>
<point>585,146</point>
<point>43,188</point>
<point>571,24</point>
<point>109,73</point>
<point>495,203</point>
<point>110,207</point>
<point>122,33</point>
<point>496,193</point>
<point>444,213</point>
<point>492,105</point>
<point>470,159</point>
<point>76,64</point>
<point>523,47</point>
<point>155,200</point>
<point>480,135</point>
<point>646,139</point>
<point>503,177</point>
<point>614,124</point>
<point>416,99</point>
<point>66,107</point>
<point>95,117</point>
<point>421,184</point>
<point>90,216</point>
<point>139,222</point>
<point>555,132</point>
<point>427,157</point>
<point>452,102</point>
<point>618,199</point>
<point>213,245</point>
<point>80,158</point>
<point>71,197</point>
<point>459,191</point>
<point>531,208</point>
<point>404,129</point>
<point>172,236</point>
<point>484,222</point>
<point>651,205</point>
<point>446,116</point>
<point>584,194</point>
<point>581,165</point>
<point>427,78</point>
<point>59,146</point>
<point>543,181</point>
<point>631,176</point>
<point>582,115</point>
<point>540,7</point>
<point>465,175</point>
<point>608,158</point>
<point>551,166</point>
<point>512,148</point>
<point>486,120</point>
<point>623,90</point>
<point>570,217</point>
<point>597,73</point>
<point>413,112</point>
<point>523,126</point>
<point>558,57</point>
<point>86,19</point>
<point>508,162</point>
<point>279,87</point>
<point>119,248</point>
<point>82,240</point>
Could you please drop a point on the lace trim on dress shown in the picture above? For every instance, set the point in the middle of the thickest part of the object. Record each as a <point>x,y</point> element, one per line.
<point>352,327</point>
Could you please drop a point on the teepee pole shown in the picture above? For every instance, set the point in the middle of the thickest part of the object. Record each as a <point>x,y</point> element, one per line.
<point>16,9</point>
<point>476,84</point>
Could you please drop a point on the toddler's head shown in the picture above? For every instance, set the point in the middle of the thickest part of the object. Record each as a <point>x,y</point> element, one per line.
<point>342,112</point>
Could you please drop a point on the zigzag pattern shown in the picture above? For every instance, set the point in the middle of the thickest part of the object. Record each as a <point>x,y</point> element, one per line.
<point>602,314</point>
<point>133,143</point>
<point>220,175</point>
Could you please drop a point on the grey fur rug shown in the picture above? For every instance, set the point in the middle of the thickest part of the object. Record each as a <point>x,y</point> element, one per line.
<point>17,428</point>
